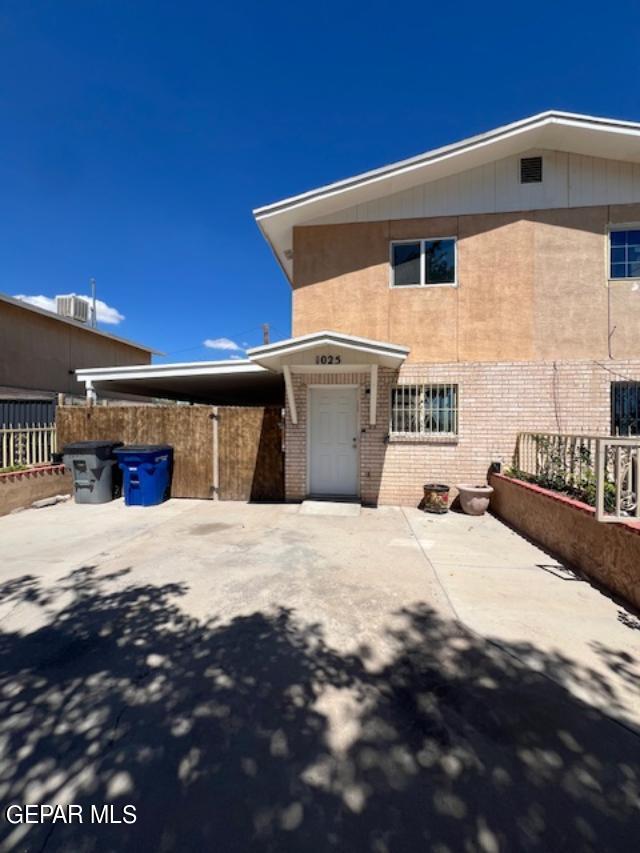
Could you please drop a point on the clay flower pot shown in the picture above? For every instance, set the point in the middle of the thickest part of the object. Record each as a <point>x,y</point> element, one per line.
<point>474,500</point>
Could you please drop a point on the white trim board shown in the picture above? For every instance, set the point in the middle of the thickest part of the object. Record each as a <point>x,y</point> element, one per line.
<point>159,371</point>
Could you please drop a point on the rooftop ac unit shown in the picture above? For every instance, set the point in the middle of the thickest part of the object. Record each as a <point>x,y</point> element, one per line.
<point>73,307</point>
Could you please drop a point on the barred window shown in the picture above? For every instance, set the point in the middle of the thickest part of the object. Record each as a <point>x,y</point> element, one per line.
<point>625,408</point>
<point>424,410</point>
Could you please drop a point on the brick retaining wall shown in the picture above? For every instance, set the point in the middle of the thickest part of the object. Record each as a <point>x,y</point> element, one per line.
<point>608,552</point>
<point>19,489</point>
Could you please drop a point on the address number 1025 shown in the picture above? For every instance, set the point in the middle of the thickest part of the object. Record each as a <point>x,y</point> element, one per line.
<point>328,359</point>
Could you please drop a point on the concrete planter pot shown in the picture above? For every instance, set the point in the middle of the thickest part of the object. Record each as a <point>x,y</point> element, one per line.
<point>474,500</point>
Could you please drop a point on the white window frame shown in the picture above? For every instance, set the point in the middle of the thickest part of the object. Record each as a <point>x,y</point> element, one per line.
<point>423,266</point>
<point>611,227</point>
<point>423,435</point>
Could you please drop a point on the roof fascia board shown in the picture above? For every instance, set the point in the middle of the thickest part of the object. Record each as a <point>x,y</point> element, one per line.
<point>168,366</point>
<point>173,371</point>
<point>384,172</point>
<point>472,143</point>
<point>305,342</point>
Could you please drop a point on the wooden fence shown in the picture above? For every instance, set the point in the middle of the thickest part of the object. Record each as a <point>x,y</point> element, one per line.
<point>251,459</point>
<point>240,447</point>
<point>27,446</point>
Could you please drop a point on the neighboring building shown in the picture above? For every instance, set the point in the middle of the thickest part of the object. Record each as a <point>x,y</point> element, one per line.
<point>444,303</point>
<point>40,352</point>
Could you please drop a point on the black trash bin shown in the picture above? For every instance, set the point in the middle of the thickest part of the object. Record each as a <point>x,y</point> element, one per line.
<point>92,464</point>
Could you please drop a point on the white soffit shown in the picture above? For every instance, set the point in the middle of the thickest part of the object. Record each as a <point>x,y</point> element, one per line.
<point>560,131</point>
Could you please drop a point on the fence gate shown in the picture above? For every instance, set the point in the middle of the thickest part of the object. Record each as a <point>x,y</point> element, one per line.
<point>251,458</point>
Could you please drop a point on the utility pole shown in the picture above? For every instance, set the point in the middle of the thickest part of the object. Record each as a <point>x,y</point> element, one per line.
<point>94,318</point>
<point>265,333</point>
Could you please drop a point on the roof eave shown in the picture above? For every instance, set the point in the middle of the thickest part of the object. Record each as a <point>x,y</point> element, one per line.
<point>270,355</point>
<point>277,220</point>
<point>455,148</point>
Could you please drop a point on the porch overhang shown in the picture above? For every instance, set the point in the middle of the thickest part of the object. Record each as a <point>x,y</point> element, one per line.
<point>329,352</point>
<point>307,351</point>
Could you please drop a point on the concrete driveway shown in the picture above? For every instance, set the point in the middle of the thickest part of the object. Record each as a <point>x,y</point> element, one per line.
<point>285,678</point>
<point>509,591</point>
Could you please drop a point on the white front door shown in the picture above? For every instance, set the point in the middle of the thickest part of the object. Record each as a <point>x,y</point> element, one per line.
<point>333,441</point>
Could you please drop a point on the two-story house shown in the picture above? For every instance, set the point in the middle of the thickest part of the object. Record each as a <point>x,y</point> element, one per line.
<point>445,303</point>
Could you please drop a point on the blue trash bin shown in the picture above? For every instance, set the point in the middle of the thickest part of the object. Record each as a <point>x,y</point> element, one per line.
<point>146,473</point>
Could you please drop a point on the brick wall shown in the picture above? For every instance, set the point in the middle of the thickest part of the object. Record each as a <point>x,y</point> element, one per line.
<point>296,434</point>
<point>496,401</point>
<point>20,489</point>
<point>608,553</point>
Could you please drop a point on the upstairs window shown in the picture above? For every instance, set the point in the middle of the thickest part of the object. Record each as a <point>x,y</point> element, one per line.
<point>424,410</point>
<point>624,253</point>
<point>416,263</point>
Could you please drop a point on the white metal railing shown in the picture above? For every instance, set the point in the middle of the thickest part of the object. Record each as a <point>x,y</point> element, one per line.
<point>27,446</point>
<point>603,471</point>
<point>558,459</point>
<point>617,478</point>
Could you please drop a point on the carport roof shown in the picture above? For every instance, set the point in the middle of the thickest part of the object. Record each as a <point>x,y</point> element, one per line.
<point>230,383</point>
<point>255,381</point>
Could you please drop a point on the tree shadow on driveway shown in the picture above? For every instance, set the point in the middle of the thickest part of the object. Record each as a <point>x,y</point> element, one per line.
<point>221,737</point>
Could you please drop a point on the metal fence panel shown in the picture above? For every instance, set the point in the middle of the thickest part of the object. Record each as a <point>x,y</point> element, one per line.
<point>26,413</point>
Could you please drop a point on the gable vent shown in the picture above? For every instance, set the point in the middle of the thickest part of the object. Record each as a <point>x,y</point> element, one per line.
<point>531,170</point>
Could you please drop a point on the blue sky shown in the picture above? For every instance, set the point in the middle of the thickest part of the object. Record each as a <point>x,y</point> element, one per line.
<point>136,137</point>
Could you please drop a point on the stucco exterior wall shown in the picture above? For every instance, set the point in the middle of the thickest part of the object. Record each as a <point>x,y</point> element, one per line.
<point>41,353</point>
<point>531,286</point>
<point>496,401</point>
